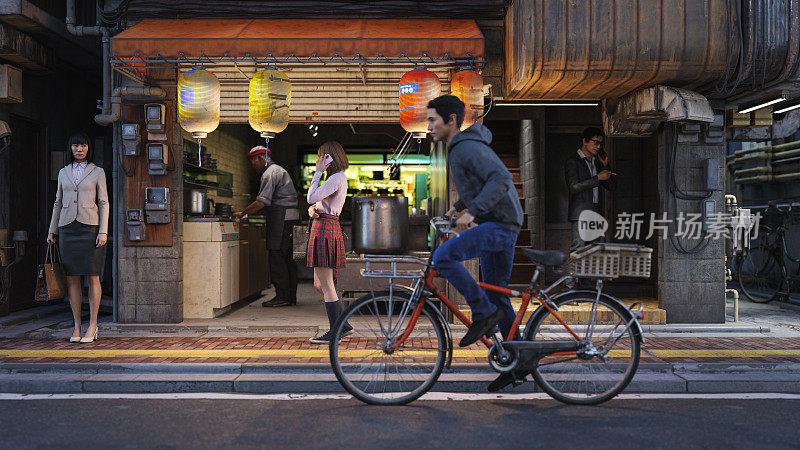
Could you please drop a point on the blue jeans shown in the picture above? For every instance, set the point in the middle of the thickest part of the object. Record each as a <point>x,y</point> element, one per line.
<point>494,245</point>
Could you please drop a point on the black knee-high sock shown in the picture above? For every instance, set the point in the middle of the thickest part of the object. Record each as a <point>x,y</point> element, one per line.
<point>334,310</point>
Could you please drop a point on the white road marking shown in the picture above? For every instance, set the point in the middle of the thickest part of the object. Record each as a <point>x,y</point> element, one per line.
<point>432,396</point>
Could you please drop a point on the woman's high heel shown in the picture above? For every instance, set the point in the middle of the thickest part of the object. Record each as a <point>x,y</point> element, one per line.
<point>75,338</point>
<point>87,340</point>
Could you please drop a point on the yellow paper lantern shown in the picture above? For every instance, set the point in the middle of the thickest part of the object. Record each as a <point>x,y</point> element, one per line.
<point>198,102</point>
<point>467,85</point>
<point>270,98</point>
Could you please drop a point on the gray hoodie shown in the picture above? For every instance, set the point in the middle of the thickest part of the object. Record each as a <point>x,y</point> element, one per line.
<point>484,184</point>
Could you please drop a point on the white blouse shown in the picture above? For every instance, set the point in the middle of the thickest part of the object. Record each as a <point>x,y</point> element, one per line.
<point>329,197</point>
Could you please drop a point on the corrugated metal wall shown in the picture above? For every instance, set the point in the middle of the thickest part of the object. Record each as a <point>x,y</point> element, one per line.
<point>325,95</point>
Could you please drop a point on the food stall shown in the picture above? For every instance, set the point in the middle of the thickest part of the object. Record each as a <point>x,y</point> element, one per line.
<point>340,75</point>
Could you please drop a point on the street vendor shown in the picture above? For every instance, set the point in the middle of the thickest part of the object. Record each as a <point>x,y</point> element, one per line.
<point>278,195</point>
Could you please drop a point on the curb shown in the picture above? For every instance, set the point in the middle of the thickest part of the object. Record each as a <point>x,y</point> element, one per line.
<point>282,379</point>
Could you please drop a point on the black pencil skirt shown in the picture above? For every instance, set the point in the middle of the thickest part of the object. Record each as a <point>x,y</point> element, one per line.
<point>80,255</point>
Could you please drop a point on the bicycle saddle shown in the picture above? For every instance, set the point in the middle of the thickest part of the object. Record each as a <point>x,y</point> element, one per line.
<point>547,258</point>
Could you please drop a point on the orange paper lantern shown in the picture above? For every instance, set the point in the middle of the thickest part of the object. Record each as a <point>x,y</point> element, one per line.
<point>467,85</point>
<point>417,88</point>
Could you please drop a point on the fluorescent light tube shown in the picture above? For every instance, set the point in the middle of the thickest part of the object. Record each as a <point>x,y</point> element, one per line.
<point>545,104</point>
<point>788,108</point>
<point>762,105</point>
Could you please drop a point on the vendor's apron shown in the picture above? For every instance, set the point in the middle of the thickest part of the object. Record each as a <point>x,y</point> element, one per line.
<point>278,236</point>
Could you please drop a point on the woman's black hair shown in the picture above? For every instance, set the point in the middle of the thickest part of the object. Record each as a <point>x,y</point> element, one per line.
<point>79,138</point>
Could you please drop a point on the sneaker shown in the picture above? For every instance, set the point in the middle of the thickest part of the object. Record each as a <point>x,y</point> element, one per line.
<point>324,339</point>
<point>479,328</point>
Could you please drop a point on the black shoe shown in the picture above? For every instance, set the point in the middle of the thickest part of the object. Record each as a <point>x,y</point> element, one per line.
<point>504,380</point>
<point>479,328</point>
<point>324,339</point>
<point>275,302</point>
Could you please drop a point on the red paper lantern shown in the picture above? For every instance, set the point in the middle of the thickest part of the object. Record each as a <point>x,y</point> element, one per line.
<point>417,88</point>
<point>467,85</point>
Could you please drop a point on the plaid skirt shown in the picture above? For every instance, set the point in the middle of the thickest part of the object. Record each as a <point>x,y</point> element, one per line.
<point>325,243</point>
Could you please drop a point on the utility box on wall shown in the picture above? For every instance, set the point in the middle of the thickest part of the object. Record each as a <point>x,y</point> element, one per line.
<point>10,84</point>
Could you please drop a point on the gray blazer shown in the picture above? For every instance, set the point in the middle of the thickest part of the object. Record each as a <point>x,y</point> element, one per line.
<point>86,201</point>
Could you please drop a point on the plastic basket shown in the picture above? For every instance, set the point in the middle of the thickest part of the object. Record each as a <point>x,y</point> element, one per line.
<point>635,262</point>
<point>595,261</point>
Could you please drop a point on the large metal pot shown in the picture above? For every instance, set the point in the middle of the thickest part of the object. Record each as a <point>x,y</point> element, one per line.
<point>195,201</point>
<point>380,225</point>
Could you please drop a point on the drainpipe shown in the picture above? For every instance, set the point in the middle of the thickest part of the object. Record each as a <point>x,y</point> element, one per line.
<point>96,30</point>
<point>116,101</point>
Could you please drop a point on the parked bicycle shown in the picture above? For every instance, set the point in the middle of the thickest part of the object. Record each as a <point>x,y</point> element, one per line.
<point>763,273</point>
<point>402,342</point>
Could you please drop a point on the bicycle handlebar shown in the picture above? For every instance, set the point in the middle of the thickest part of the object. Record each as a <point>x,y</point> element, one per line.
<point>444,225</point>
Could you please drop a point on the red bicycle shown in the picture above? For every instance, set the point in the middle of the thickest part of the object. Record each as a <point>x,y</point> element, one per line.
<point>402,342</point>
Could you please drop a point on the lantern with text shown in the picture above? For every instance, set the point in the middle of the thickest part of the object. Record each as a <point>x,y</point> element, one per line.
<point>467,85</point>
<point>198,104</point>
<point>270,97</point>
<point>417,88</point>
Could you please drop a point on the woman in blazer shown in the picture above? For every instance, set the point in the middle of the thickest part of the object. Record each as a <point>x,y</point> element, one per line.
<point>80,220</point>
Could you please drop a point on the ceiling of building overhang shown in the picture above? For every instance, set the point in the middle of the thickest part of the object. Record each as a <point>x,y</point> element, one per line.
<point>337,95</point>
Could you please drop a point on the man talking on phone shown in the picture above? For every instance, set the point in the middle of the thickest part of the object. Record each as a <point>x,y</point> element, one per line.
<point>585,172</point>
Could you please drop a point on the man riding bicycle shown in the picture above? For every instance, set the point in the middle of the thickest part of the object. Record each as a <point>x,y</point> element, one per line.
<point>489,199</point>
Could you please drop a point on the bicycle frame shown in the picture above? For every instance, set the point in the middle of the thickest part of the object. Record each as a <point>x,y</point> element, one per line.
<point>530,293</point>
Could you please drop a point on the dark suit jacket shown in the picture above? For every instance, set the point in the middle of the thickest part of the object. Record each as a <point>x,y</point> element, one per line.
<point>580,183</point>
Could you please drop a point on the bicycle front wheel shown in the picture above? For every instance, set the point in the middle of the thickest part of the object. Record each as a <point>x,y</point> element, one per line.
<point>606,360</point>
<point>370,363</point>
<point>759,275</point>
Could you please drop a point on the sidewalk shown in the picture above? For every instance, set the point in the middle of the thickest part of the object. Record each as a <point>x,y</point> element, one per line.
<point>761,353</point>
<point>292,365</point>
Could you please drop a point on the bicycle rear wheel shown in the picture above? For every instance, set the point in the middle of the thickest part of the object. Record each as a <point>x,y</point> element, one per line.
<point>759,275</point>
<point>369,368</point>
<point>604,365</point>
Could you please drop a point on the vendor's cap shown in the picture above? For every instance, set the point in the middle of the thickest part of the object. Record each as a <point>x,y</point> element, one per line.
<point>259,150</point>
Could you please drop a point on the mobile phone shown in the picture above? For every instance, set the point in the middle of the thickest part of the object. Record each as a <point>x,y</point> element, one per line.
<point>328,159</point>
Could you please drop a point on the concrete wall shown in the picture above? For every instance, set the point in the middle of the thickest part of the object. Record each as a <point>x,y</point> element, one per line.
<point>531,164</point>
<point>690,286</point>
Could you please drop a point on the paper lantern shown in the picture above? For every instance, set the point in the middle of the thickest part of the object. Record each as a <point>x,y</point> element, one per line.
<point>270,97</point>
<point>467,85</point>
<point>198,102</point>
<point>417,88</point>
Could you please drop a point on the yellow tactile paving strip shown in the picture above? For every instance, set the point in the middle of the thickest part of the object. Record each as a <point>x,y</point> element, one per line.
<point>355,353</point>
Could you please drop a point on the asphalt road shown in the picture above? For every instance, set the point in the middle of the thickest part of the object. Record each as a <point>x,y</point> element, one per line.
<point>348,424</point>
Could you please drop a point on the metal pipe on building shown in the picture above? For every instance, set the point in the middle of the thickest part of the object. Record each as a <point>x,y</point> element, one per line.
<point>124,91</point>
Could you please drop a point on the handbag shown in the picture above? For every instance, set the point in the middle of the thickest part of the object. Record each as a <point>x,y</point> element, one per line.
<point>300,235</point>
<point>51,281</point>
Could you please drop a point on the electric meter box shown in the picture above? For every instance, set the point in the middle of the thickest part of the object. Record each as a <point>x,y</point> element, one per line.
<point>154,114</point>
<point>155,156</point>
<point>134,219</point>
<point>157,205</point>
<point>130,139</point>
